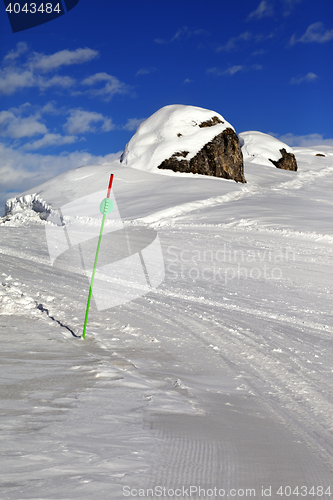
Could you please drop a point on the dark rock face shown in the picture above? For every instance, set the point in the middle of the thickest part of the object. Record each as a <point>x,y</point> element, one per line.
<point>286,162</point>
<point>319,154</point>
<point>221,157</point>
<point>210,123</point>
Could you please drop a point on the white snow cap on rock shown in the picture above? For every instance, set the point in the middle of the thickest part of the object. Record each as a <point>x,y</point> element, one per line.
<point>171,129</point>
<point>259,147</point>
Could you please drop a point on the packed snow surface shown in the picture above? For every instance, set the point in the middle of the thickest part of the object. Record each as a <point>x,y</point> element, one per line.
<point>260,148</point>
<point>170,130</point>
<point>219,377</point>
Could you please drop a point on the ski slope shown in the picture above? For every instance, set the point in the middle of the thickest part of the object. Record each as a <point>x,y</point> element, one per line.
<point>221,377</point>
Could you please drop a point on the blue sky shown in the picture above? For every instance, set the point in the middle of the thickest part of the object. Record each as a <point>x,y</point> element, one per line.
<point>74,90</point>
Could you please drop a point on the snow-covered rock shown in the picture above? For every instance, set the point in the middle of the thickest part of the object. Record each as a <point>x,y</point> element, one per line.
<point>267,150</point>
<point>186,139</point>
<point>30,201</point>
<point>29,207</point>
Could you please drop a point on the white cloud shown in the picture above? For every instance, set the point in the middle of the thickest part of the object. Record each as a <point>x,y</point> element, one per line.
<point>62,58</point>
<point>264,9</point>
<point>13,125</point>
<point>259,52</point>
<point>5,117</point>
<point>25,127</point>
<point>289,5</point>
<point>310,77</point>
<point>233,69</point>
<point>51,108</point>
<point>145,71</point>
<point>81,121</point>
<point>183,32</point>
<point>161,41</point>
<point>21,48</point>
<point>55,81</point>
<point>14,79</point>
<point>51,140</point>
<point>180,33</point>
<point>229,71</point>
<point>12,172</point>
<point>112,86</point>
<point>232,42</point>
<point>133,123</point>
<point>315,33</point>
<point>305,140</point>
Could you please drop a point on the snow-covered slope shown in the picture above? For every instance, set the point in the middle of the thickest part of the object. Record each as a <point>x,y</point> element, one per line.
<point>171,129</point>
<point>259,147</point>
<point>219,377</point>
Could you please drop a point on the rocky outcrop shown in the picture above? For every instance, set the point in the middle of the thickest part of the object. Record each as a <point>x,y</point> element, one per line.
<point>221,157</point>
<point>264,149</point>
<point>186,139</point>
<point>286,162</point>
<point>210,123</point>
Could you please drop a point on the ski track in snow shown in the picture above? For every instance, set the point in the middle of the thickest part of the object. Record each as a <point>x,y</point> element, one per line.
<point>279,361</point>
<point>186,208</point>
<point>197,382</point>
<point>163,217</point>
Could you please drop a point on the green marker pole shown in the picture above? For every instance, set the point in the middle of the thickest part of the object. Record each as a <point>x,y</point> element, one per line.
<point>105,208</point>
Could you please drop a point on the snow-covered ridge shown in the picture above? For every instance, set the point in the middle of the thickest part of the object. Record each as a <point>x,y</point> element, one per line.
<point>174,128</point>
